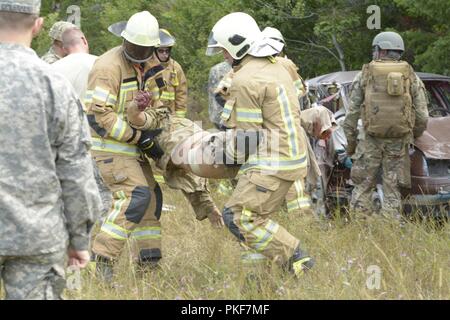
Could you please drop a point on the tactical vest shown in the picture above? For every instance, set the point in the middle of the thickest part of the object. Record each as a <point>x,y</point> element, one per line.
<point>387,111</point>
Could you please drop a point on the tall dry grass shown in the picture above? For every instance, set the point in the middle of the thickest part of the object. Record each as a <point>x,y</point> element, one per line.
<point>201,262</point>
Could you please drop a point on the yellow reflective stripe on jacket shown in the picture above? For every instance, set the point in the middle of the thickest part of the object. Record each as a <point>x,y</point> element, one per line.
<point>88,97</point>
<point>147,233</point>
<point>181,114</point>
<point>114,231</point>
<point>167,95</point>
<point>298,84</point>
<point>159,179</point>
<point>119,128</point>
<point>275,164</point>
<point>100,94</point>
<point>106,145</point>
<point>288,119</point>
<point>124,89</point>
<point>249,115</point>
<point>227,109</point>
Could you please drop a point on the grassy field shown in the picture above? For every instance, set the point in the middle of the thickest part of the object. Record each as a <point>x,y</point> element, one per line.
<point>201,262</point>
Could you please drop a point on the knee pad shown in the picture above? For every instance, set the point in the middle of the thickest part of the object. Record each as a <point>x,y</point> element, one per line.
<point>228,219</point>
<point>140,200</point>
<point>159,201</point>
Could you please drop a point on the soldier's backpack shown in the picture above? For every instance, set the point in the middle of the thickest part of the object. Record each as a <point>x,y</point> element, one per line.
<point>387,111</point>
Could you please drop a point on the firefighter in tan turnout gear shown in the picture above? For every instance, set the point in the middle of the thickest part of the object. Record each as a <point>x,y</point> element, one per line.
<point>390,99</point>
<point>174,96</point>
<point>263,113</point>
<point>145,114</point>
<point>114,83</point>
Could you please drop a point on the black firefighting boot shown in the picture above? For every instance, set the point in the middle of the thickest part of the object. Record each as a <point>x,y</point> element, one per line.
<point>299,263</point>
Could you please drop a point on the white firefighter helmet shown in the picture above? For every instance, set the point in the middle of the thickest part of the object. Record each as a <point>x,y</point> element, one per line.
<point>273,33</point>
<point>142,29</point>
<point>236,32</point>
<point>141,36</point>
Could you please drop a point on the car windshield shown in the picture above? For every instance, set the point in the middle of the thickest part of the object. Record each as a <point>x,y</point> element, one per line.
<point>438,94</point>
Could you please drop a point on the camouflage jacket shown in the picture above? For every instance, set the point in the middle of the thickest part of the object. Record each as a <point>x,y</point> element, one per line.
<point>216,74</point>
<point>50,57</point>
<point>419,101</point>
<point>48,194</point>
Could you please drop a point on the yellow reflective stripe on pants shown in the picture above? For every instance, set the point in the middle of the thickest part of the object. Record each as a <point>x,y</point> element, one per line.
<point>119,128</point>
<point>249,115</point>
<point>252,257</point>
<point>288,119</point>
<point>106,145</point>
<point>263,235</point>
<point>146,233</point>
<point>302,201</point>
<point>117,206</point>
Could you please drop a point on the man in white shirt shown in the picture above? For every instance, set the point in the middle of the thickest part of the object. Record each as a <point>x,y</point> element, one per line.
<point>78,62</point>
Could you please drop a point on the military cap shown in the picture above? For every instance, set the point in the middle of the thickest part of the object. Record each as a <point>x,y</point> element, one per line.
<point>21,6</point>
<point>58,28</point>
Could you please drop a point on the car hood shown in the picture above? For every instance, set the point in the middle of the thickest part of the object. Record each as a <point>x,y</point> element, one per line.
<point>435,141</point>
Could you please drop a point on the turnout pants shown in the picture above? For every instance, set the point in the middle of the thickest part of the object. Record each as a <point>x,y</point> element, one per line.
<point>135,211</point>
<point>247,215</point>
<point>298,201</point>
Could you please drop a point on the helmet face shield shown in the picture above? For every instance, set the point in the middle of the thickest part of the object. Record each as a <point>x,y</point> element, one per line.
<point>213,46</point>
<point>137,54</point>
<point>166,39</point>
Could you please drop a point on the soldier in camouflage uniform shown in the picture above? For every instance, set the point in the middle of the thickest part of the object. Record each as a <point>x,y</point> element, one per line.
<point>216,102</point>
<point>49,199</point>
<point>56,51</point>
<point>389,124</point>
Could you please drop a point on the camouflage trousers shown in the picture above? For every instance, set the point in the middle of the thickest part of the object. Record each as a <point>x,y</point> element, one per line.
<point>39,277</point>
<point>375,156</point>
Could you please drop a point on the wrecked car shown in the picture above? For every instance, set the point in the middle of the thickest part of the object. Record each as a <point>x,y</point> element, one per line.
<point>430,153</point>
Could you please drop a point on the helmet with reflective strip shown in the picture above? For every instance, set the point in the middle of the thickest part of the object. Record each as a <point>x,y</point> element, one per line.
<point>142,29</point>
<point>236,32</point>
